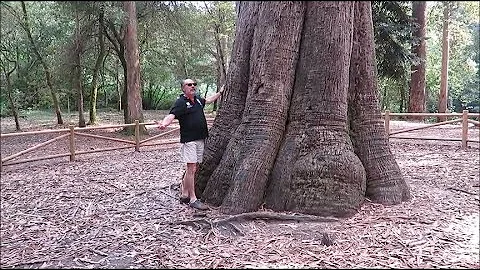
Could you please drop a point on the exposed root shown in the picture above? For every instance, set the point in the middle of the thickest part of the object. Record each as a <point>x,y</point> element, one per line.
<point>272,216</point>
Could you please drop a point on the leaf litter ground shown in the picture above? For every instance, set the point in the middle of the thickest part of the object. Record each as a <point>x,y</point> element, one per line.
<point>120,209</point>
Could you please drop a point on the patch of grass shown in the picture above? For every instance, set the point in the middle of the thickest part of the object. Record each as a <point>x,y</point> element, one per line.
<point>39,115</point>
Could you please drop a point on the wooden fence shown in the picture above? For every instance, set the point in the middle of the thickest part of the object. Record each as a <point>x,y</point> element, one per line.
<point>136,143</point>
<point>462,117</point>
<point>72,132</point>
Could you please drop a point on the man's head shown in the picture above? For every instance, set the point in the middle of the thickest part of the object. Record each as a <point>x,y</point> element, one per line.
<point>189,87</point>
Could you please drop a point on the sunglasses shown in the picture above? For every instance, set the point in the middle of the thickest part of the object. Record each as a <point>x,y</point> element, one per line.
<point>190,84</point>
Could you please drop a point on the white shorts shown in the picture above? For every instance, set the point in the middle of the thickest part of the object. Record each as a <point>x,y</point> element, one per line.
<point>192,152</point>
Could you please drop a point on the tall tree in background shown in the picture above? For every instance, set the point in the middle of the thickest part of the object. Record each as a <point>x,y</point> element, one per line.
<point>134,97</point>
<point>5,62</point>
<point>300,130</point>
<point>77,52</point>
<point>97,68</point>
<point>219,22</point>
<point>393,33</point>
<point>116,38</point>
<point>443,95</point>
<point>416,102</point>
<point>48,74</point>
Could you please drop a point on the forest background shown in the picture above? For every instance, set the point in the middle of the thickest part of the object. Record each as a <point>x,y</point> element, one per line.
<point>75,56</point>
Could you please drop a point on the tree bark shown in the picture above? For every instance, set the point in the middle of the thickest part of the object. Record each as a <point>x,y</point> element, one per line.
<point>11,101</point>
<point>227,121</point>
<point>416,102</point>
<point>317,171</point>
<point>300,128</point>
<point>385,183</point>
<point>134,97</point>
<point>443,95</point>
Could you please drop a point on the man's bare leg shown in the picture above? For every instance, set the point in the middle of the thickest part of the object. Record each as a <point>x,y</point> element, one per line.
<point>183,190</point>
<point>188,188</point>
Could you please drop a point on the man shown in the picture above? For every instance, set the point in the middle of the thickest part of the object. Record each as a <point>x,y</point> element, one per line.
<point>188,109</point>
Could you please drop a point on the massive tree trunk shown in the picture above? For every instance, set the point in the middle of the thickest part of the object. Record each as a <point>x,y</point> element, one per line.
<point>134,97</point>
<point>385,183</point>
<point>416,102</point>
<point>300,128</point>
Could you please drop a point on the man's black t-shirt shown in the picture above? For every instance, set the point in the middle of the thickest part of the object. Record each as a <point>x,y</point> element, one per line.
<point>193,125</point>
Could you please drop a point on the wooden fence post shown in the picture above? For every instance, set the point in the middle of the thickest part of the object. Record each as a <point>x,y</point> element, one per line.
<point>137,136</point>
<point>387,123</point>
<point>464,129</point>
<point>72,142</point>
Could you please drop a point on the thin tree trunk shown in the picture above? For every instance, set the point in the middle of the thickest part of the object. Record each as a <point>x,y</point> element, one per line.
<point>78,89</point>
<point>119,46</point>
<point>96,71</point>
<point>221,66</point>
<point>416,102</point>
<point>77,71</point>
<point>48,75</point>
<point>119,87</point>
<point>11,101</point>
<point>443,96</point>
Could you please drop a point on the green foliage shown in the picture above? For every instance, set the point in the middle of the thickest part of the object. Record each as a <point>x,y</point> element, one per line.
<point>392,30</point>
<point>463,73</point>
<point>177,40</point>
<point>391,94</point>
<point>4,110</point>
<point>393,26</point>
<point>179,43</point>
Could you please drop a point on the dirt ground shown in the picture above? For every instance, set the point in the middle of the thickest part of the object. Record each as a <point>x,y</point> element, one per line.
<point>120,209</point>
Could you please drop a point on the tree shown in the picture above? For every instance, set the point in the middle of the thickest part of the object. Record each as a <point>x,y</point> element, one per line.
<point>300,128</point>
<point>9,63</point>
<point>463,61</point>
<point>77,67</point>
<point>116,38</point>
<point>5,62</point>
<point>416,103</point>
<point>134,98</point>
<point>48,74</point>
<point>393,37</point>
<point>96,69</point>
<point>220,24</point>
<point>443,95</point>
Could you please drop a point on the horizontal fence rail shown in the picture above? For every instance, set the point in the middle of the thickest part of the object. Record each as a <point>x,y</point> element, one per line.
<point>464,120</point>
<point>72,132</point>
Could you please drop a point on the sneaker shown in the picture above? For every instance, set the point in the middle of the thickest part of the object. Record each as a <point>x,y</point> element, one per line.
<point>198,205</point>
<point>185,200</point>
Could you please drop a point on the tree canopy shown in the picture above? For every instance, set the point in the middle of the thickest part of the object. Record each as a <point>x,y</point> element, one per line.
<point>180,38</point>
